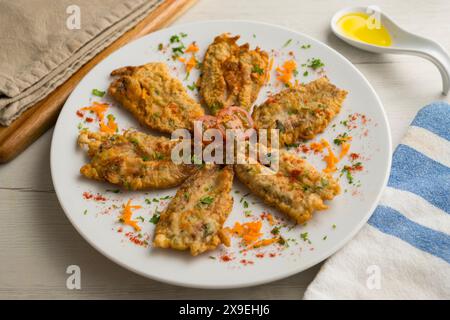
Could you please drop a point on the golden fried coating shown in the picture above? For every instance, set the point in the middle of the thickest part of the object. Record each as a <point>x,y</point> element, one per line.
<point>232,74</point>
<point>194,218</point>
<point>296,189</point>
<point>156,99</point>
<point>300,112</point>
<point>133,160</point>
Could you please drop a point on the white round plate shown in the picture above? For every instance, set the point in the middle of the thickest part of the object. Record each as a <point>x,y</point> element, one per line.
<point>329,230</point>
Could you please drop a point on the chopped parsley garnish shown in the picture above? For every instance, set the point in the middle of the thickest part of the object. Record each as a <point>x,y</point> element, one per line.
<point>155,218</point>
<point>98,93</point>
<point>178,50</point>
<point>248,213</point>
<point>155,200</point>
<point>275,231</point>
<point>341,138</point>
<point>348,174</point>
<point>140,218</point>
<point>186,195</point>
<point>145,158</point>
<point>192,87</point>
<point>334,226</point>
<point>183,35</point>
<point>160,46</point>
<point>212,258</point>
<point>113,190</point>
<point>295,72</point>
<point>287,43</point>
<point>306,46</point>
<point>165,198</point>
<point>147,201</point>
<point>304,237</point>
<point>206,200</point>
<point>305,74</point>
<point>324,237</point>
<point>315,63</point>
<point>85,212</point>
<point>174,38</point>
<point>245,204</point>
<point>258,70</point>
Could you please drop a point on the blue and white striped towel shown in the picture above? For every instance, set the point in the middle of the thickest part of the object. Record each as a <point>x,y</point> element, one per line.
<point>404,250</point>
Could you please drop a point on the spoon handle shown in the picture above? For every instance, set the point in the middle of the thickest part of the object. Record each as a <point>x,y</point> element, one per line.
<point>433,52</point>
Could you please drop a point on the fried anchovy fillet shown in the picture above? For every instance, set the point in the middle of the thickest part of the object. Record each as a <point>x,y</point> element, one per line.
<point>296,189</point>
<point>300,112</point>
<point>232,74</point>
<point>194,218</point>
<point>156,99</point>
<point>133,160</point>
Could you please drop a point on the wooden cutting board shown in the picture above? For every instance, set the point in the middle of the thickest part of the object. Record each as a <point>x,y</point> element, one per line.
<point>42,116</point>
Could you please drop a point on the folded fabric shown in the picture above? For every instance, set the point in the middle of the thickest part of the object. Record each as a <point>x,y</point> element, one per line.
<point>404,250</point>
<point>39,51</point>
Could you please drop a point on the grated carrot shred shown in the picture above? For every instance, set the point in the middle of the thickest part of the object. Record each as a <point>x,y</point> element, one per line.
<point>248,231</point>
<point>286,71</point>
<point>192,48</point>
<point>344,150</point>
<point>263,243</point>
<point>99,109</point>
<point>330,159</point>
<point>127,214</point>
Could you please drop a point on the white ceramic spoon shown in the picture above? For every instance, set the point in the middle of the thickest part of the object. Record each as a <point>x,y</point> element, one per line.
<point>403,42</point>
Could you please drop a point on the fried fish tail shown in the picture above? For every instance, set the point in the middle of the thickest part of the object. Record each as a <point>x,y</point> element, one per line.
<point>194,218</point>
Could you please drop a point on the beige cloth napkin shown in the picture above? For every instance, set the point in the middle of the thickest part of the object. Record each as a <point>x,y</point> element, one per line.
<point>38,52</point>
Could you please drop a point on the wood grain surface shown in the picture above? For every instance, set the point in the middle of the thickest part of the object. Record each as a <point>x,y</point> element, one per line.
<point>39,118</point>
<point>37,242</point>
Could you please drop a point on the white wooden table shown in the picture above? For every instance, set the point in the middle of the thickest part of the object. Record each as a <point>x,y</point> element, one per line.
<point>37,242</point>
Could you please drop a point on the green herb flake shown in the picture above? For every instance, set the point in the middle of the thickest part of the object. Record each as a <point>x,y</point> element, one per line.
<point>212,258</point>
<point>287,43</point>
<point>333,226</point>
<point>245,204</point>
<point>98,93</point>
<point>85,212</point>
<point>175,38</point>
<point>324,237</point>
<point>192,87</point>
<point>340,138</point>
<point>306,46</point>
<point>140,218</point>
<point>160,46</point>
<point>147,201</point>
<point>258,70</point>
<point>113,190</point>
<point>315,63</point>
<point>207,200</point>
<point>275,231</point>
<point>305,74</point>
<point>155,218</point>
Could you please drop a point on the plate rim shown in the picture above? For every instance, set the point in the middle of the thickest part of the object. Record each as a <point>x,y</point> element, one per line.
<point>326,254</point>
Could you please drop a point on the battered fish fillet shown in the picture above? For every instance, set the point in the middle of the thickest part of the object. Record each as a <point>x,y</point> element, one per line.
<point>194,218</point>
<point>232,74</point>
<point>296,189</point>
<point>300,112</point>
<point>156,99</point>
<point>133,160</point>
